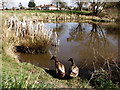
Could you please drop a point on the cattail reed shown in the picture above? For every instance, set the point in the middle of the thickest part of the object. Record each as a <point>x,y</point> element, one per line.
<point>31,36</point>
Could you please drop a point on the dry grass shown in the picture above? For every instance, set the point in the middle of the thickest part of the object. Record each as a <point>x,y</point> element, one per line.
<point>28,36</point>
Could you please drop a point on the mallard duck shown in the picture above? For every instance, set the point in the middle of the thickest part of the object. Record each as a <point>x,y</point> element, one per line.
<point>59,67</point>
<point>73,70</point>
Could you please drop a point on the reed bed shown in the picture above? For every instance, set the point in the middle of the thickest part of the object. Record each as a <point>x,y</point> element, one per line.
<point>30,36</point>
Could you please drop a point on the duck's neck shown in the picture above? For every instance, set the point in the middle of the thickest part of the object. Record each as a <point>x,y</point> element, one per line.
<point>72,62</point>
<point>55,60</point>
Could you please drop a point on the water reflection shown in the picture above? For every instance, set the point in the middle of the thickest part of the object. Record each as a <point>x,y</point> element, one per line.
<point>87,43</point>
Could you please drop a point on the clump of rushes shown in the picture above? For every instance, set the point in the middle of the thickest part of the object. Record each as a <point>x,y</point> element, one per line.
<point>30,36</point>
<point>101,80</point>
<point>39,43</point>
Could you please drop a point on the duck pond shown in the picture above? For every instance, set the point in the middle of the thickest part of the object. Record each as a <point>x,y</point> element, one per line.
<point>91,45</point>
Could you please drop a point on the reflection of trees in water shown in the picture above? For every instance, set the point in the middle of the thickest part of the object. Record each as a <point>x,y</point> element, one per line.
<point>97,38</point>
<point>76,33</point>
<point>98,44</point>
<point>97,48</point>
<point>114,30</point>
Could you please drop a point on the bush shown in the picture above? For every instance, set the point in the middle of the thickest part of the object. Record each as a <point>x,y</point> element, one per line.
<point>101,80</point>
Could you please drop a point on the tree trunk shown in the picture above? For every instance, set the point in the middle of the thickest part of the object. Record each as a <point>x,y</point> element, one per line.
<point>79,5</point>
<point>3,5</point>
<point>94,9</point>
<point>57,5</point>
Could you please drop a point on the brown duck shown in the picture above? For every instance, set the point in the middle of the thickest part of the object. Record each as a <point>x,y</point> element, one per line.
<point>59,67</point>
<point>73,70</point>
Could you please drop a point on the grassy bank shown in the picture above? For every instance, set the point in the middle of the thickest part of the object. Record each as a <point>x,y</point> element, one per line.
<point>46,11</point>
<point>61,15</point>
<point>25,75</point>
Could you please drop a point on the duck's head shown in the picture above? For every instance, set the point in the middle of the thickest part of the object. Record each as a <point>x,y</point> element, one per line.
<point>71,59</point>
<point>53,58</point>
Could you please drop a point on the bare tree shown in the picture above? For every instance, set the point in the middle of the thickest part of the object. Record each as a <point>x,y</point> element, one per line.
<point>79,4</point>
<point>97,7</point>
<point>6,3</point>
<point>3,4</point>
<point>59,3</point>
<point>62,5</point>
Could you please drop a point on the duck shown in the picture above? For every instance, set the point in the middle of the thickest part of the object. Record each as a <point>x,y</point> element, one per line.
<point>59,67</point>
<point>73,70</point>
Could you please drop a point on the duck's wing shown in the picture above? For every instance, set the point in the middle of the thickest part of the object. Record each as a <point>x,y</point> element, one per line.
<point>74,71</point>
<point>61,68</point>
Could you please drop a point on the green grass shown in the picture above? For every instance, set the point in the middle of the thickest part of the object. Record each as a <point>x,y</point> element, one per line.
<point>25,75</point>
<point>22,75</point>
<point>68,12</point>
<point>46,11</point>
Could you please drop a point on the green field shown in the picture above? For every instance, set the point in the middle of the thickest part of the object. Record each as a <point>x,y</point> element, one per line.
<point>46,11</point>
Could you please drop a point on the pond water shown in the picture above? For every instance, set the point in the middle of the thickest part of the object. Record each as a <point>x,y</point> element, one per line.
<point>89,44</point>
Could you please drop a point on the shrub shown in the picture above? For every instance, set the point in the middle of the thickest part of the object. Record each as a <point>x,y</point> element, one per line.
<point>101,80</point>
